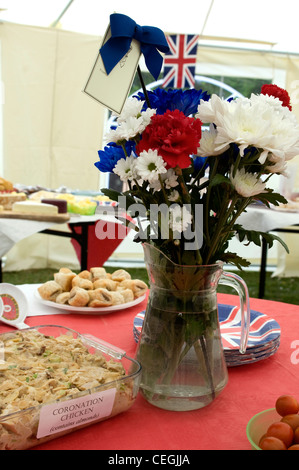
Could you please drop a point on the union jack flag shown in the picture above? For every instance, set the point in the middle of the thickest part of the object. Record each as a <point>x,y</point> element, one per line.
<point>180,61</point>
<point>262,328</point>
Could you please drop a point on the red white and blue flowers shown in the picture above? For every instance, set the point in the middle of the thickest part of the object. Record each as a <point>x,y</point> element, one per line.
<point>184,148</point>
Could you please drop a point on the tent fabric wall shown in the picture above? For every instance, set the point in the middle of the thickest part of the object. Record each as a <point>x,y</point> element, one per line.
<point>52,130</point>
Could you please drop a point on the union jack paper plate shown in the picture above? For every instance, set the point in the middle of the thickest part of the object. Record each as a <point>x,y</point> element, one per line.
<point>263,339</point>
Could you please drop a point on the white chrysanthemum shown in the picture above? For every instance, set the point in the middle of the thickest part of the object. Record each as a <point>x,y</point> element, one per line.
<point>246,125</point>
<point>247,184</point>
<point>125,168</point>
<point>129,126</point>
<point>207,111</point>
<point>259,122</point>
<point>276,104</point>
<point>113,135</point>
<point>147,116</point>
<point>277,165</point>
<point>149,165</point>
<point>207,143</point>
<point>132,108</point>
<point>169,180</point>
<point>174,196</point>
<point>179,218</point>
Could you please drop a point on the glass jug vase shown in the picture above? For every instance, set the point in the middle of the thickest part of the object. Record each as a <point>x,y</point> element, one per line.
<point>180,348</point>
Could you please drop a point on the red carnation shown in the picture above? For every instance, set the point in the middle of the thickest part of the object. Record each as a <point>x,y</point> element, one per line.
<point>174,135</point>
<point>277,92</point>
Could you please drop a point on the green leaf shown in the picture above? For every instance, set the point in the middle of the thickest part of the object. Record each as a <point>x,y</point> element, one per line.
<point>255,237</point>
<point>111,193</point>
<point>115,196</point>
<point>270,197</point>
<point>220,179</point>
<point>233,258</point>
<point>270,237</point>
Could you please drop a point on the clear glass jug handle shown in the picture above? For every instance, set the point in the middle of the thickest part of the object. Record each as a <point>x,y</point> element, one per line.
<point>235,281</point>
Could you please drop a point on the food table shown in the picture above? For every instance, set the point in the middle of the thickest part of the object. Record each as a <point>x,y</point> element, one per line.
<point>89,248</point>
<point>82,234</point>
<point>262,219</point>
<point>222,425</point>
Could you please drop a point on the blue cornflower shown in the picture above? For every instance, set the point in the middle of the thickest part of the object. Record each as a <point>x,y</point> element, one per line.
<point>111,154</point>
<point>198,163</point>
<point>186,101</point>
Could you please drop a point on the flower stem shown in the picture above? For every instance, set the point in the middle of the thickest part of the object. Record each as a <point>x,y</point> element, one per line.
<point>188,200</point>
<point>207,204</point>
<point>223,217</point>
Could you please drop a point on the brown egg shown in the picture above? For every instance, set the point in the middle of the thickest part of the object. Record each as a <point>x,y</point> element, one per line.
<point>294,447</point>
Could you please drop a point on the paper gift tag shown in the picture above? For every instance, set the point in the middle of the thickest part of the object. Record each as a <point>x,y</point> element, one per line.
<point>112,90</point>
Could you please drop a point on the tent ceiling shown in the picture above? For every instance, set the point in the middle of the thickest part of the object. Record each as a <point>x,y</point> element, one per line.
<point>272,24</point>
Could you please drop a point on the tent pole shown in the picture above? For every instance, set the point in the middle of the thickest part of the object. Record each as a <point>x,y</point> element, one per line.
<point>55,23</point>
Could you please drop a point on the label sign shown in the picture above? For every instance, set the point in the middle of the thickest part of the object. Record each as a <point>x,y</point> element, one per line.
<point>112,90</point>
<point>64,415</point>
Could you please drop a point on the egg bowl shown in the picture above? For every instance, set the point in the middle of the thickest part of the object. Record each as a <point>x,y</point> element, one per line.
<point>259,424</point>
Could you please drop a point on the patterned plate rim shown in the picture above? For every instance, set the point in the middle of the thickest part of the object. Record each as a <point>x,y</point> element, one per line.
<point>263,329</point>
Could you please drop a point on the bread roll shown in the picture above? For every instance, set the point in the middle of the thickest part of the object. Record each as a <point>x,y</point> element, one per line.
<point>49,290</point>
<point>100,298</point>
<point>63,298</point>
<point>65,270</point>
<point>78,281</point>
<point>120,275</point>
<point>117,298</point>
<point>78,297</point>
<point>98,273</point>
<point>106,284</point>
<point>64,280</point>
<point>5,185</point>
<point>127,295</point>
<point>136,285</point>
<point>85,275</point>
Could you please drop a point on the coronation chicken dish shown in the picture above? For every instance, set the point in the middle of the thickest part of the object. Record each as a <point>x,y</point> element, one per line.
<point>36,369</point>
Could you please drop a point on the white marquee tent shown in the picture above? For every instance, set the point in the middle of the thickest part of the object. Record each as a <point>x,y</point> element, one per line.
<point>50,131</point>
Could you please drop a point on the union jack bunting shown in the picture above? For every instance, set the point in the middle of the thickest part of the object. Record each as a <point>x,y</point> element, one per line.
<point>180,61</point>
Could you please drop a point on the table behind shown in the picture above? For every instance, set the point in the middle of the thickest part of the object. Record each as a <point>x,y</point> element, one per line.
<point>221,425</point>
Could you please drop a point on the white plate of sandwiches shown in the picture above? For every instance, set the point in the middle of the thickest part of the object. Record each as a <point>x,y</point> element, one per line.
<point>91,291</point>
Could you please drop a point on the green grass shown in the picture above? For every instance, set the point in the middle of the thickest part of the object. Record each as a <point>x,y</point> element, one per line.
<point>279,289</point>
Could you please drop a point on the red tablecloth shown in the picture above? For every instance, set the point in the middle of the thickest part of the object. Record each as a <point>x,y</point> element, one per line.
<point>98,250</point>
<point>222,425</point>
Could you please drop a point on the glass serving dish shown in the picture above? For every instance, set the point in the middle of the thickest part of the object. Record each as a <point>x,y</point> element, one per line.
<point>54,380</point>
<point>259,424</point>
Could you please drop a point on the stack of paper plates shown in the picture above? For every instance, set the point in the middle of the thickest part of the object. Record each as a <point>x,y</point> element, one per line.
<point>263,339</point>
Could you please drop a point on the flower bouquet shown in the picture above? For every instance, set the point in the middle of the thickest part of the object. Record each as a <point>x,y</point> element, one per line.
<point>187,150</point>
<point>190,165</point>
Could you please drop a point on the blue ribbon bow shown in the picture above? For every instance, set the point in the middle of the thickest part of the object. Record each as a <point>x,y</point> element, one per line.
<point>123,30</point>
